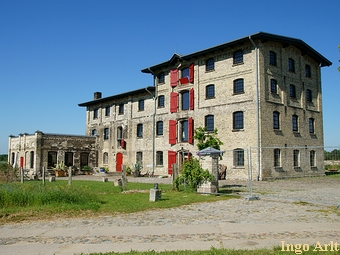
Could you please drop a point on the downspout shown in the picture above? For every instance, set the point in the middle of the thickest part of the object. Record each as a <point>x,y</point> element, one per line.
<point>257,110</point>
<point>154,96</point>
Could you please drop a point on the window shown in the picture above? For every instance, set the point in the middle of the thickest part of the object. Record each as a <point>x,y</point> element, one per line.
<point>276,120</point>
<point>119,132</point>
<point>210,64</point>
<point>309,97</point>
<point>105,158</point>
<point>296,158</point>
<point>272,58</point>
<point>51,158</point>
<point>159,158</point>
<point>139,158</point>
<point>238,157</point>
<point>141,105</point>
<point>32,159</point>
<point>238,120</point>
<point>68,158</point>
<point>312,158</point>
<point>106,133</point>
<point>184,131</point>
<point>84,159</point>
<point>94,132</point>
<point>308,71</point>
<point>140,130</point>
<point>273,86</point>
<point>291,65</point>
<point>121,109</point>
<point>95,114</point>
<point>161,77</point>
<point>185,100</point>
<point>159,128</point>
<point>210,91</point>
<point>238,57</point>
<point>295,120</point>
<point>160,101</point>
<point>277,158</point>
<point>209,123</point>
<point>107,111</point>
<point>238,86</point>
<point>311,125</point>
<point>292,91</point>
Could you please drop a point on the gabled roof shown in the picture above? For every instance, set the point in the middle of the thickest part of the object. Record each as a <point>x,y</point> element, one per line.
<point>286,41</point>
<point>118,96</point>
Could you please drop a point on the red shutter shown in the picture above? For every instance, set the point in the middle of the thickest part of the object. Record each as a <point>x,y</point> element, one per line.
<point>172,131</point>
<point>122,143</point>
<point>173,101</point>
<point>191,73</point>
<point>190,130</point>
<point>171,160</point>
<point>173,77</point>
<point>192,96</point>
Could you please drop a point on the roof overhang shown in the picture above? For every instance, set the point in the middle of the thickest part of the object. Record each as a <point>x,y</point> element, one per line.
<point>286,41</point>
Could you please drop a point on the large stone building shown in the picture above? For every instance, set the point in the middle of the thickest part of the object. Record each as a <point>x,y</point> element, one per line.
<point>32,152</point>
<point>262,92</point>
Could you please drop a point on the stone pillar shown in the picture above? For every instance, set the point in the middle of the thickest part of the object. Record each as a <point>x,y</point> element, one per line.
<point>155,193</point>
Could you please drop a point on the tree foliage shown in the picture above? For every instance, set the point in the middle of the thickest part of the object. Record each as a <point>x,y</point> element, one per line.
<point>3,157</point>
<point>333,155</point>
<point>192,174</point>
<point>8,173</point>
<point>207,139</point>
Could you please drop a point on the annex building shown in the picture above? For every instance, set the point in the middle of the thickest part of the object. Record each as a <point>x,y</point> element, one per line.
<point>261,92</point>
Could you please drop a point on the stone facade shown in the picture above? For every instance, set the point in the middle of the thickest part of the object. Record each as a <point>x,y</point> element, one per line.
<point>262,92</point>
<point>35,151</point>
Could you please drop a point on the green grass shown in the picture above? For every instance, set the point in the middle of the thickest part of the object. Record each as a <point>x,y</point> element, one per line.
<point>213,251</point>
<point>32,200</point>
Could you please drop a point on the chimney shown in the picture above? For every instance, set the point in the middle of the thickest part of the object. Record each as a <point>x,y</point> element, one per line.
<point>97,95</point>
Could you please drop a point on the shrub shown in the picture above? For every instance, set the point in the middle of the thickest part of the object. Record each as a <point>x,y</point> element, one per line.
<point>192,175</point>
<point>8,173</point>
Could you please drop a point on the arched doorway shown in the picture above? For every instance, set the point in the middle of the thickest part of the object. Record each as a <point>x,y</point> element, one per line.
<point>119,162</point>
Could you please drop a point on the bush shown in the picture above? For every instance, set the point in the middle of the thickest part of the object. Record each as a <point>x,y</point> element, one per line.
<point>8,173</point>
<point>192,175</point>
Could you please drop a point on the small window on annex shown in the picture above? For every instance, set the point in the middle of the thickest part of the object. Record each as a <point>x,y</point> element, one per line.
<point>139,158</point>
<point>32,159</point>
<point>51,158</point>
<point>210,64</point>
<point>105,158</point>
<point>68,158</point>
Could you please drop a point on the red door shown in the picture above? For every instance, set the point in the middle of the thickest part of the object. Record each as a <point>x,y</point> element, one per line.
<point>21,162</point>
<point>171,160</point>
<point>119,162</point>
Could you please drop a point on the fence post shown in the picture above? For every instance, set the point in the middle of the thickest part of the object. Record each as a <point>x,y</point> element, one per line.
<point>43,175</point>
<point>69,175</point>
<point>22,174</point>
<point>124,177</point>
<point>250,177</point>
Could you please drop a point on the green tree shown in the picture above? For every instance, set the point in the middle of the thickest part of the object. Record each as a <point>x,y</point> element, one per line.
<point>3,157</point>
<point>207,139</point>
<point>192,175</point>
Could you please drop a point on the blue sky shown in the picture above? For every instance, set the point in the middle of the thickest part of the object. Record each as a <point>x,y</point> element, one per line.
<point>55,53</point>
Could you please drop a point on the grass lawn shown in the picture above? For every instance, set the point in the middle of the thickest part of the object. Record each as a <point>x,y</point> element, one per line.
<point>32,200</point>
